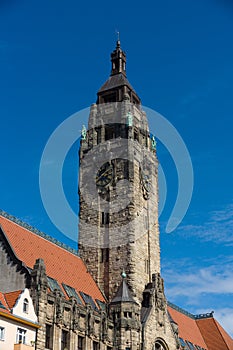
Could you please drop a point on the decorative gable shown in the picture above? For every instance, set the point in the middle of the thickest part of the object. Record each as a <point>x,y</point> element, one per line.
<point>24,307</point>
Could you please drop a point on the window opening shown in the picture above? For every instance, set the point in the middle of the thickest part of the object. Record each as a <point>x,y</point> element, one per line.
<point>71,292</point>
<point>80,343</point>
<point>48,336</point>
<point>105,218</point>
<point>25,305</point>
<point>64,340</point>
<point>2,333</point>
<point>95,345</point>
<point>21,336</point>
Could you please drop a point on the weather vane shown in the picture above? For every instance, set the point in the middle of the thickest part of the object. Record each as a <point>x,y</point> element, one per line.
<point>118,35</point>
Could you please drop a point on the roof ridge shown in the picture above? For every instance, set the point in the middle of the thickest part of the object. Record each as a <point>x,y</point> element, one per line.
<point>193,316</point>
<point>179,309</point>
<point>204,315</point>
<point>37,232</point>
<point>14,291</point>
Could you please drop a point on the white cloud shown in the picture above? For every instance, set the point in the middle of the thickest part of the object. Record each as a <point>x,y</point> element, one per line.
<point>198,282</point>
<point>201,289</point>
<point>217,228</point>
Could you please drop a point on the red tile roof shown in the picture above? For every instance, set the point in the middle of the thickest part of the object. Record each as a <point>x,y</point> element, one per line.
<point>61,264</point>
<point>215,336</point>
<point>202,330</point>
<point>8,300</point>
<point>188,329</point>
<point>4,307</point>
<point>12,297</point>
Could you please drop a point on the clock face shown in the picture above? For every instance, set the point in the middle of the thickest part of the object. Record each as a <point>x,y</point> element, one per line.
<point>104,175</point>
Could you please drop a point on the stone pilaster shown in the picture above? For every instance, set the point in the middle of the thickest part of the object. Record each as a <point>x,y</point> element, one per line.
<point>39,296</point>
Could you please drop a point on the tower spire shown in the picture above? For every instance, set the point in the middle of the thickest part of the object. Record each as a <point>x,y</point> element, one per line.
<point>118,59</point>
<point>117,87</point>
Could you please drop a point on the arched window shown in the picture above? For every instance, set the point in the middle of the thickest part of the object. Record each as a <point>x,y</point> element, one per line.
<point>25,305</point>
<point>160,345</point>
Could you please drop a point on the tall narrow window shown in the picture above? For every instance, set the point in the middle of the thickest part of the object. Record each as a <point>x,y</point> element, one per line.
<point>21,336</point>
<point>107,254</point>
<point>95,345</point>
<point>105,218</point>
<point>64,340</point>
<point>25,305</point>
<point>146,265</point>
<point>104,255</point>
<point>98,132</point>
<point>80,343</point>
<point>48,336</point>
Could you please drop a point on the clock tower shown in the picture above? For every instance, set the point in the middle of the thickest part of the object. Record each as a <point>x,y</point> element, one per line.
<point>118,188</point>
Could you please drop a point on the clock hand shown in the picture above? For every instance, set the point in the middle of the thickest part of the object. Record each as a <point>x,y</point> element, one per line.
<point>102,174</point>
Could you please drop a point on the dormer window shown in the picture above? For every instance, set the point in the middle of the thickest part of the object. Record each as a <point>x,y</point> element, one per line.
<point>25,306</point>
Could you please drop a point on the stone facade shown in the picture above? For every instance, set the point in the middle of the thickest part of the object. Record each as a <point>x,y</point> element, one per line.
<point>131,234</point>
<point>64,322</point>
<point>118,228</point>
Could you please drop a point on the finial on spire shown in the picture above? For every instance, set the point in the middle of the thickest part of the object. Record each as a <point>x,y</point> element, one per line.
<point>123,274</point>
<point>118,38</point>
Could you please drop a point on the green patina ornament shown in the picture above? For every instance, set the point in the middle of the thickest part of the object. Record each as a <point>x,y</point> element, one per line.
<point>123,275</point>
<point>129,119</point>
<point>83,133</point>
<point>153,143</point>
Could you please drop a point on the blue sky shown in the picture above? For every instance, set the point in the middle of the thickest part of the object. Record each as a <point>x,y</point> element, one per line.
<point>54,56</point>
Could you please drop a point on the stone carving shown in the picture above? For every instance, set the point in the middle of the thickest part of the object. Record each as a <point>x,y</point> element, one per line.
<point>59,309</point>
<point>39,275</point>
<point>76,316</point>
<point>104,327</point>
<point>160,301</point>
<point>89,321</point>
